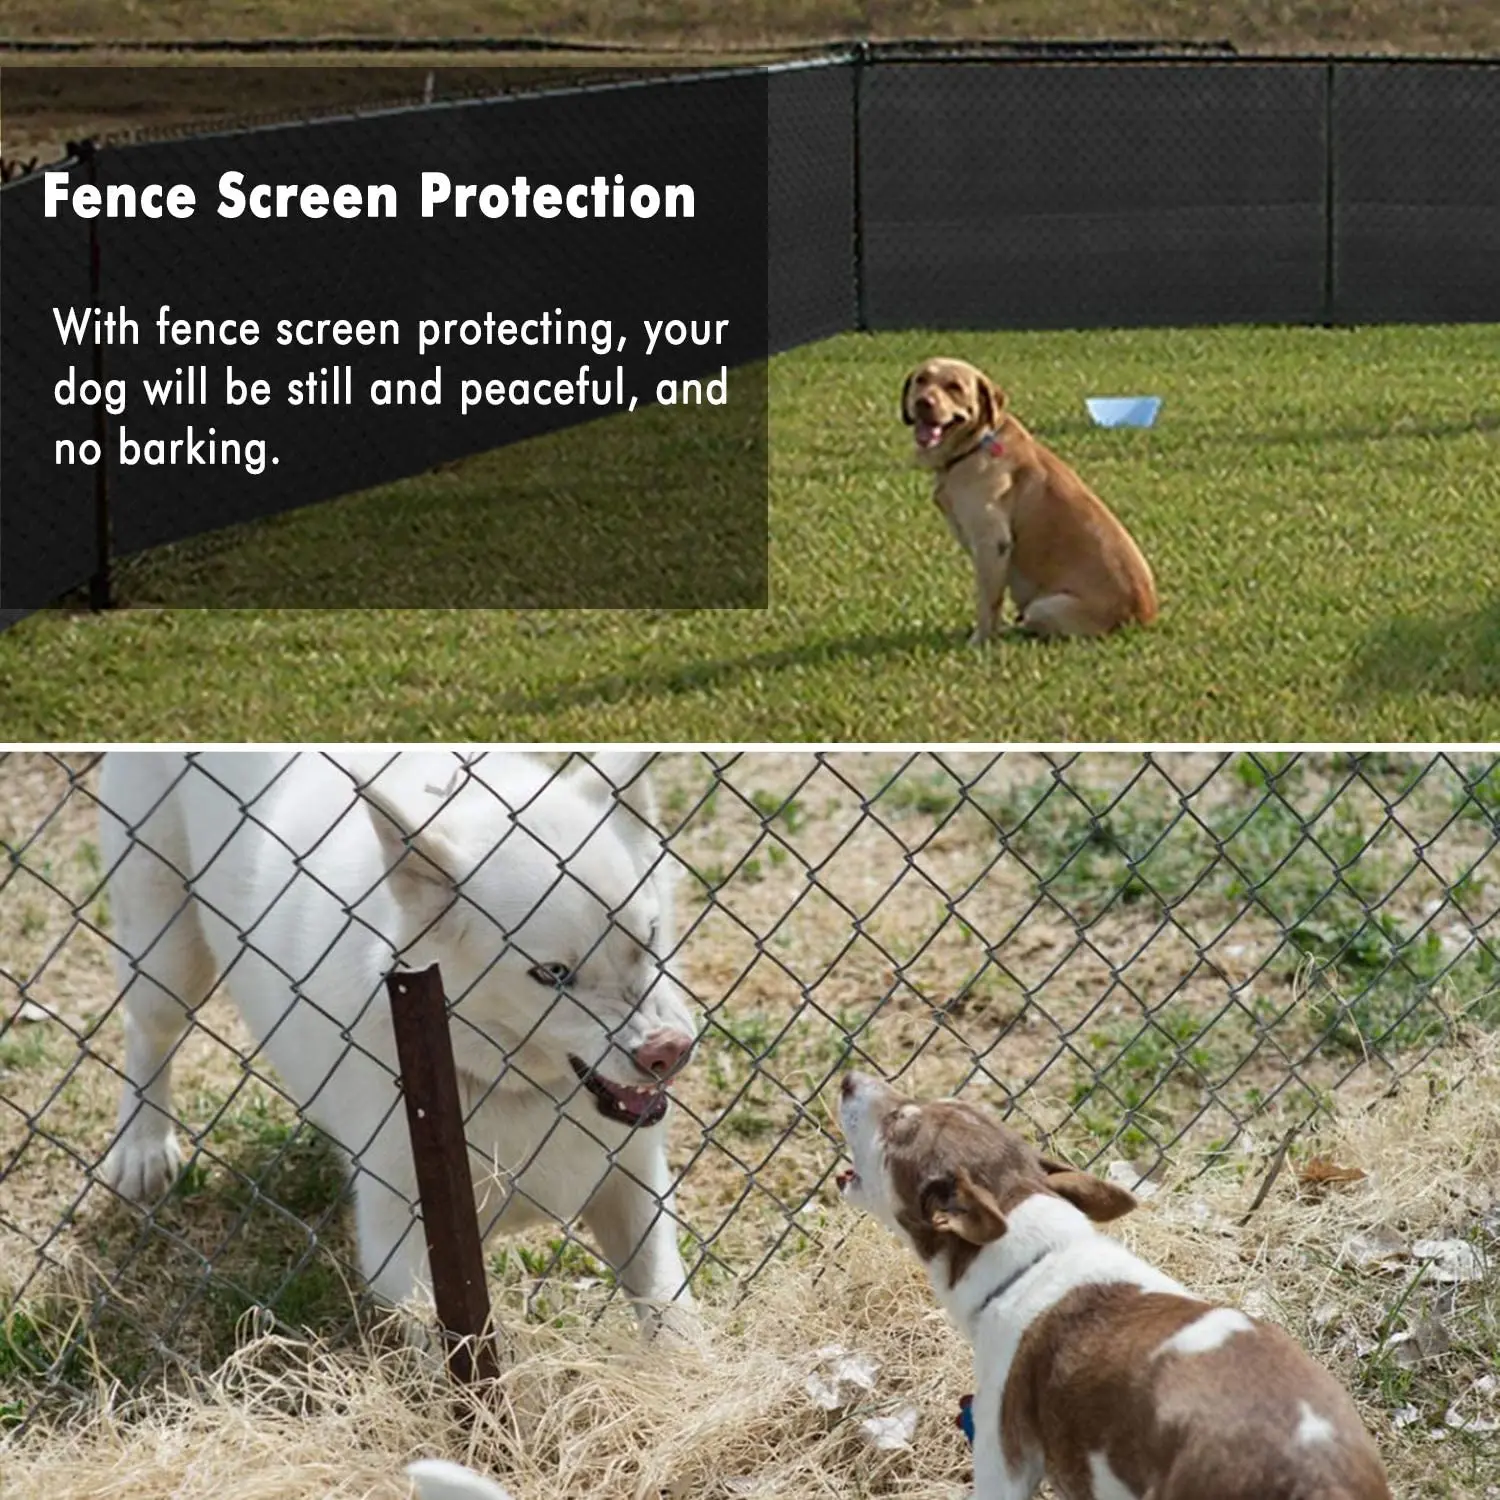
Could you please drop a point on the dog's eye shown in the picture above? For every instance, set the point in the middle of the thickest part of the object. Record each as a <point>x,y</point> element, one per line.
<point>954,388</point>
<point>551,974</point>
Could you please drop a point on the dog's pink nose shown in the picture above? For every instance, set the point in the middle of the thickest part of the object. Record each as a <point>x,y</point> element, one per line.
<point>664,1051</point>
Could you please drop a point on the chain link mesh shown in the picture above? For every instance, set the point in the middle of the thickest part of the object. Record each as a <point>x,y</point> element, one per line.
<point>1165,961</point>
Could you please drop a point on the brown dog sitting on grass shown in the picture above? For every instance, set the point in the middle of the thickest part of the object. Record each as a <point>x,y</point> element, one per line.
<point>1027,521</point>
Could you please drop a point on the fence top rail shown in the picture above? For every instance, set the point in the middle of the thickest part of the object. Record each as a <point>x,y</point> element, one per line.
<point>411,46</point>
<point>14,172</point>
<point>1106,54</point>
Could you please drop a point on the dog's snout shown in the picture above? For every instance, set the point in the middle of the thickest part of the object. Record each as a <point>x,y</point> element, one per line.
<point>925,407</point>
<point>664,1052</point>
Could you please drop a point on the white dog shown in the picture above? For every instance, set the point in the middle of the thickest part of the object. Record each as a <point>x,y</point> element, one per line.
<point>297,882</point>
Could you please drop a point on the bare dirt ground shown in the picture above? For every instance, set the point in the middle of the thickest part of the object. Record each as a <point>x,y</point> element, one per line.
<point>1465,26</point>
<point>44,105</point>
<point>41,110</point>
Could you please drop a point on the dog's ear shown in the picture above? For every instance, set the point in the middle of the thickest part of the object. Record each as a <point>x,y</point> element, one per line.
<point>906,386</point>
<point>991,402</point>
<point>627,776</point>
<point>959,1205</point>
<point>1100,1200</point>
<point>620,783</point>
<point>414,847</point>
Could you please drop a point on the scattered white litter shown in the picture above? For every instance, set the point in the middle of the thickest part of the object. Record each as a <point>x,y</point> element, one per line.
<point>891,1433</point>
<point>841,1377</point>
<point>1379,1248</point>
<point>1424,1340</point>
<point>1325,1314</point>
<point>1487,1419</point>
<point>749,1487</point>
<point>1257,1302</point>
<point>1451,1260</point>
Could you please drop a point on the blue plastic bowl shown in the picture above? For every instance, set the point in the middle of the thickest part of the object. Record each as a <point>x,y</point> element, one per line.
<point>1123,411</point>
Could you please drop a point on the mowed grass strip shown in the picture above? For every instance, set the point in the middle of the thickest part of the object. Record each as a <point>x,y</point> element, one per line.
<point>1319,507</point>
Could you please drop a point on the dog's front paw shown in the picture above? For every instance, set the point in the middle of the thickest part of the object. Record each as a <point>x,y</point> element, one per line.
<point>979,636</point>
<point>142,1166</point>
<point>674,1325</point>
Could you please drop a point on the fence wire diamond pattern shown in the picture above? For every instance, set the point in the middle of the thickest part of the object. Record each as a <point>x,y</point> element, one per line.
<point>1158,962</point>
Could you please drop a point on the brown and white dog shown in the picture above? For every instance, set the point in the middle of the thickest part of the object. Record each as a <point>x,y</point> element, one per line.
<point>1093,1369</point>
<point>1027,521</point>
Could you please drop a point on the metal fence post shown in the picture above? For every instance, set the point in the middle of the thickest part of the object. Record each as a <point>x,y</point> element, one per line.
<point>1330,191</point>
<point>860,61</point>
<point>434,1114</point>
<point>101,581</point>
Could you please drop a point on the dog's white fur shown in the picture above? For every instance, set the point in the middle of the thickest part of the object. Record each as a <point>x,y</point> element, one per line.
<point>297,882</point>
<point>438,1479</point>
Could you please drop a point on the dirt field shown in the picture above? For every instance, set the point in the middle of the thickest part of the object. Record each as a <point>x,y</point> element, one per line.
<point>1467,26</point>
<point>621,36</point>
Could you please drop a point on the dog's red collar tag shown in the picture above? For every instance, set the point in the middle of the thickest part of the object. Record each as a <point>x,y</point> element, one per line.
<point>992,445</point>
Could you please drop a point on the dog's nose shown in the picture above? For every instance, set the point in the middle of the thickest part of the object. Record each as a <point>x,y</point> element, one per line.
<point>664,1051</point>
<point>849,1084</point>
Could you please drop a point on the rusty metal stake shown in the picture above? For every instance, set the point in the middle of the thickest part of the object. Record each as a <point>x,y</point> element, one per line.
<point>434,1115</point>
<point>101,580</point>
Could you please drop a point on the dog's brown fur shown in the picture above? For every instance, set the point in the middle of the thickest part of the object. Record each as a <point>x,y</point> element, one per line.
<point>1178,1426</point>
<point>1027,521</point>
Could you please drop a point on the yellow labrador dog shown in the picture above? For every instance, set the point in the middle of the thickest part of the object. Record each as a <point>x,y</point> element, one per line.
<point>1029,523</point>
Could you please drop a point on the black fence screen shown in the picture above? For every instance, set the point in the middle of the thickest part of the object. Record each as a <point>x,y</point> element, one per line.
<point>47,541</point>
<point>706,131</point>
<point>886,189</point>
<point>810,177</point>
<point>1062,195</point>
<point>1415,173</point>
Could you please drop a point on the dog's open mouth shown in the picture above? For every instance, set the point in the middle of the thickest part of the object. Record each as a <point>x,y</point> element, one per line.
<point>930,434</point>
<point>622,1101</point>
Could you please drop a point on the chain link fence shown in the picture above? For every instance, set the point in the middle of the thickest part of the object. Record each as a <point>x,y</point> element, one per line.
<point>1161,963</point>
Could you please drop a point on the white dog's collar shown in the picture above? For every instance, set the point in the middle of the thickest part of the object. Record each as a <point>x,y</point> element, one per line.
<point>995,1293</point>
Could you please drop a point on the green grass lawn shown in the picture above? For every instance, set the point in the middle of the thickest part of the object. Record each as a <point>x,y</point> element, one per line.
<point>1321,509</point>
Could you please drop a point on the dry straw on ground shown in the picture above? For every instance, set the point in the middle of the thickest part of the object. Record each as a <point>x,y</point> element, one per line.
<point>582,1411</point>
